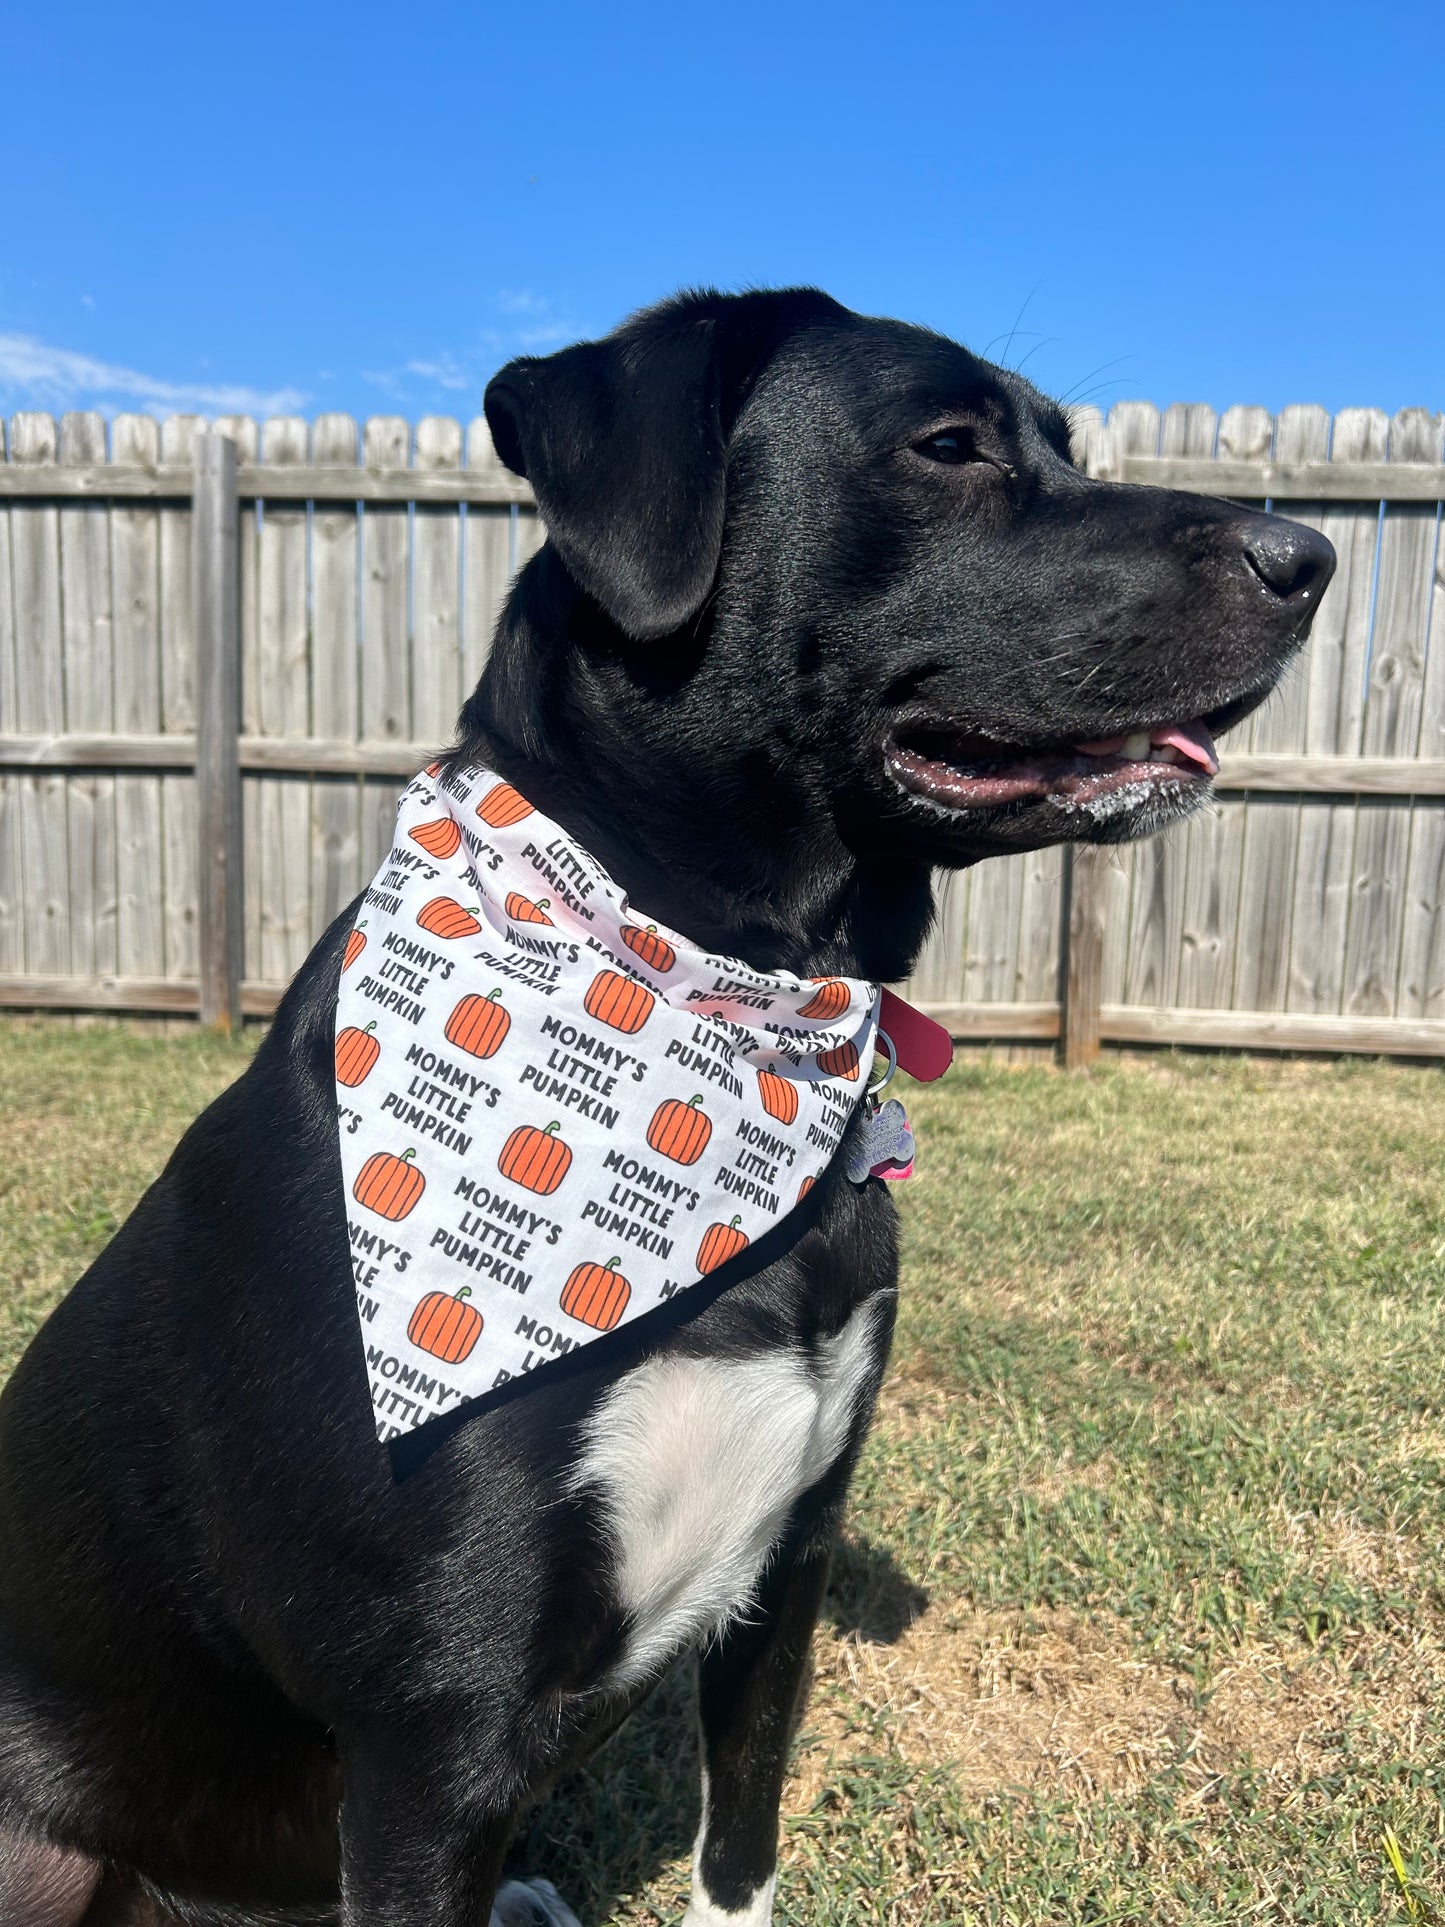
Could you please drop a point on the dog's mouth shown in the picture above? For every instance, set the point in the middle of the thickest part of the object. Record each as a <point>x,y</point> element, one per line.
<point>956,769</point>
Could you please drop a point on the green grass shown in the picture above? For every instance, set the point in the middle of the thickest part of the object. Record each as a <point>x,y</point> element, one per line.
<point>1141,1612</point>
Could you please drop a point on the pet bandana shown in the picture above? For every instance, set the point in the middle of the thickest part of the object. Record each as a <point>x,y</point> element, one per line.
<point>554,1114</point>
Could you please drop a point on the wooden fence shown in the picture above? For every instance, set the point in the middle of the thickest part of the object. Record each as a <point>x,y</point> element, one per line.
<point>334,591</point>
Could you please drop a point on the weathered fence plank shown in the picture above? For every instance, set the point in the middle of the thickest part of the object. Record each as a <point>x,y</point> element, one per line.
<point>1207,853</point>
<point>179,799</point>
<point>938,974</point>
<point>1422,953</point>
<point>283,708</point>
<point>89,665</point>
<point>1268,826</point>
<point>1242,481</point>
<point>1209,932</point>
<point>1334,708</point>
<point>487,560</point>
<point>216,631</point>
<point>1037,974</point>
<point>991,932</point>
<point>1083,913</point>
<point>12,876</point>
<point>1391,727</point>
<point>135,564</point>
<point>335,805</point>
<point>1156,870</point>
<point>329,482</point>
<point>1362,481</point>
<point>40,702</point>
<point>241,430</point>
<point>385,651</point>
<point>436,651</point>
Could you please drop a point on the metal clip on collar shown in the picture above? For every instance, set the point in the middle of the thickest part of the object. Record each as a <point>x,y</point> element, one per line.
<point>884,1042</point>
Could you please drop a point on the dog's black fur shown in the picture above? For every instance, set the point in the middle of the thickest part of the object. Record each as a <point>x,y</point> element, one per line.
<point>240,1661</point>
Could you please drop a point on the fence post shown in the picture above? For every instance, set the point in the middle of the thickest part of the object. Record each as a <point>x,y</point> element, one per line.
<point>1082,964</point>
<point>215,590</point>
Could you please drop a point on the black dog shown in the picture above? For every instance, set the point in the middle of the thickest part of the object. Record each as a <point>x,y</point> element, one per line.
<point>824,605</point>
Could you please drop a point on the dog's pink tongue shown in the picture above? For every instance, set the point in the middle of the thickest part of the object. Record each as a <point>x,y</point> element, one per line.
<point>1190,739</point>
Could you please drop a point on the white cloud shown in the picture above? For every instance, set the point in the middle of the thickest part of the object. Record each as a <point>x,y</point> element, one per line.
<point>537,324</point>
<point>521,301</point>
<point>528,323</point>
<point>548,334</point>
<point>34,372</point>
<point>445,370</point>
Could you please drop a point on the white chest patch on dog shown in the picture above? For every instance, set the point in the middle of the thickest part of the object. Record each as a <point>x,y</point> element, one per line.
<point>699,1462</point>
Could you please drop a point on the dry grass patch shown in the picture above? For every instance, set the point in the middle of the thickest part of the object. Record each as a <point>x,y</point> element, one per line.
<point>1055,1701</point>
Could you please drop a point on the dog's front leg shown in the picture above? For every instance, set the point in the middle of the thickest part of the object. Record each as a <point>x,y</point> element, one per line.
<point>419,1847</point>
<point>422,1846</point>
<point>748,1686</point>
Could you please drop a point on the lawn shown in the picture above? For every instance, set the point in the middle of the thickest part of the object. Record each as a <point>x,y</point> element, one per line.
<point>1140,1613</point>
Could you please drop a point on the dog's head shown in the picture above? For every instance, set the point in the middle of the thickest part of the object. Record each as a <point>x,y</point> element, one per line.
<point>823,570</point>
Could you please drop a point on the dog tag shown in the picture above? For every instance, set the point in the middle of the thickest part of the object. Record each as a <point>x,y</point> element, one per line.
<point>884,1144</point>
<point>925,1049</point>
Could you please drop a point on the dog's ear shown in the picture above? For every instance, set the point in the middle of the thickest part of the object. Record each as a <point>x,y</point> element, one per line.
<point>622,442</point>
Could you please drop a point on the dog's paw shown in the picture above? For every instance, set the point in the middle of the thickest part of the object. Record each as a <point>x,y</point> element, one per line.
<point>704,1911</point>
<point>531,1903</point>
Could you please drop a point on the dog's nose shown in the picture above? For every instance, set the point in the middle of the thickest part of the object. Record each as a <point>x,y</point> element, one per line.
<point>1292,562</point>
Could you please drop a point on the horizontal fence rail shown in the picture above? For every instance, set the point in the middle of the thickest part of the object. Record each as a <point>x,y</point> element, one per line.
<point>1303,909</point>
<point>1279,481</point>
<point>173,482</point>
<point>1285,481</point>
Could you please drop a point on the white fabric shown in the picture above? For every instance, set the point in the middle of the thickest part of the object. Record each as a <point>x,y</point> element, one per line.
<point>554,1115</point>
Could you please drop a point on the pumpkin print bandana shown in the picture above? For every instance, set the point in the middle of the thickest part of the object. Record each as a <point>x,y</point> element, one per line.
<point>554,1114</point>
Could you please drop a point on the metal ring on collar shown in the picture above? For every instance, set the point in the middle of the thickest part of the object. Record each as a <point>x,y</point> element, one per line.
<point>885,1042</point>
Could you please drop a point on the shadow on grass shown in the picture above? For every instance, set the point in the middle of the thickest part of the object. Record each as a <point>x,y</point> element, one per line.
<point>628,1819</point>
<point>870,1594</point>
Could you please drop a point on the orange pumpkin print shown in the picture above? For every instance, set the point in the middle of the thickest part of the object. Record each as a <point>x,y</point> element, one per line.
<point>596,1295</point>
<point>356,1053</point>
<point>503,806</point>
<point>446,1327</point>
<point>654,951</point>
<point>842,1062</point>
<point>355,944</point>
<point>443,917</point>
<point>535,1159</point>
<point>805,1187</point>
<point>522,909</point>
<point>478,1025</point>
<point>680,1131</point>
<point>779,1095</point>
<point>830,1000</point>
<point>619,1001</point>
<point>719,1243</point>
<point>388,1185</point>
<point>441,837</point>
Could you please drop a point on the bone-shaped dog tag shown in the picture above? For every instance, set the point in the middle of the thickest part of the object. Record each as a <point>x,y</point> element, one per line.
<point>884,1145</point>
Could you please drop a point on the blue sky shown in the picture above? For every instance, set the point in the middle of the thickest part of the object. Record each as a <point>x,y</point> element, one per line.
<point>371,207</point>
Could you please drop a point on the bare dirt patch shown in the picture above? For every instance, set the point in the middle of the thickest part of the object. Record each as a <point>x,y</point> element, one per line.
<point>1055,1700</point>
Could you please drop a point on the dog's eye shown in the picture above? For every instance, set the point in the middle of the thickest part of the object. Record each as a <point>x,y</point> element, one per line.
<point>952,446</point>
